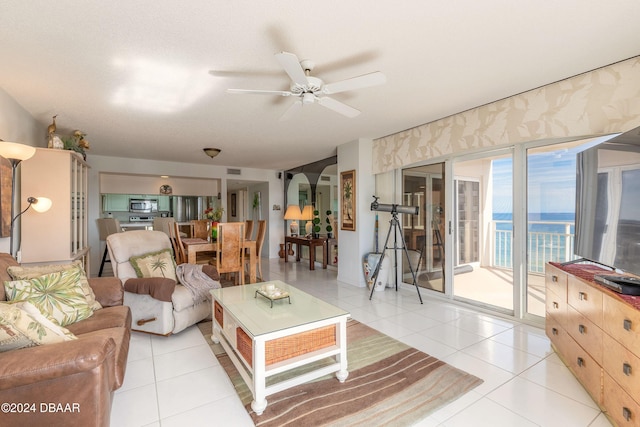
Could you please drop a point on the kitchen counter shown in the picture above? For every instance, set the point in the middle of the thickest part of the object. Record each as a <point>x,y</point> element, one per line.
<point>136,225</point>
<point>142,225</point>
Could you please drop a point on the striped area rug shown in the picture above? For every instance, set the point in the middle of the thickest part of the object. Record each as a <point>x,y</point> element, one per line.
<point>389,384</point>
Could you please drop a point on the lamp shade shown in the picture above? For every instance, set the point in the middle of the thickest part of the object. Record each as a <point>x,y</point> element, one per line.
<point>16,152</point>
<point>41,204</point>
<point>307,213</point>
<point>293,212</point>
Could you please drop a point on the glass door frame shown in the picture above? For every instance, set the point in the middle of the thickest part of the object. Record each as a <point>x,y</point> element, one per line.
<point>518,249</point>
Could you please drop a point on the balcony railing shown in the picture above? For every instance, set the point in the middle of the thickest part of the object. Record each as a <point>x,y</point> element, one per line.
<point>542,246</point>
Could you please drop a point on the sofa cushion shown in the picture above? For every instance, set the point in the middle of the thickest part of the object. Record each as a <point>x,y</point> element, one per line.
<point>109,317</point>
<point>22,325</point>
<point>19,272</point>
<point>57,295</point>
<point>155,264</point>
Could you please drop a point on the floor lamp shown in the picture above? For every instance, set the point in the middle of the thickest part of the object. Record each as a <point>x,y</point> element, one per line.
<point>15,153</point>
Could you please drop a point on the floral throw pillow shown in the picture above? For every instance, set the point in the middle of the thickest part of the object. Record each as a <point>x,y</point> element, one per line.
<point>22,325</point>
<point>58,295</point>
<point>155,264</point>
<point>19,272</point>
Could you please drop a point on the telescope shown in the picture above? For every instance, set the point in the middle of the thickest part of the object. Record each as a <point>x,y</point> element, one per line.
<point>393,208</point>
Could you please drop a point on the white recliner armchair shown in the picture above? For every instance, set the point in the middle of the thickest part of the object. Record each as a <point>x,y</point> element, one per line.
<point>158,305</point>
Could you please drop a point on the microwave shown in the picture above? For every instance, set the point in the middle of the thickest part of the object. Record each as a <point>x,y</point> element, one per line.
<point>143,205</point>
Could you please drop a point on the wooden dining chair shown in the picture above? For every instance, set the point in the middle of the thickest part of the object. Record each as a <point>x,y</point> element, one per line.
<point>200,228</point>
<point>262,231</point>
<point>106,227</point>
<point>176,241</point>
<point>248,229</point>
<point>230,248</point>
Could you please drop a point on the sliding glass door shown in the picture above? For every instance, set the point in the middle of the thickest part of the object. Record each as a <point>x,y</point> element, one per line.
<point>423,187</point>
<point>512,211</point>
<point>483,231</point>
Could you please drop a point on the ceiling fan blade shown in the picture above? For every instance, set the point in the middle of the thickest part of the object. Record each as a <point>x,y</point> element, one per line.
<point>365,80</point>
<point>292,66</point>
<point>292,110</point>
<point>260,92</point>
<point>337,106</point>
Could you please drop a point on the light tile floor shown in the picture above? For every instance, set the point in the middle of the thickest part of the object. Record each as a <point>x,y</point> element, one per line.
<point>176,380</point>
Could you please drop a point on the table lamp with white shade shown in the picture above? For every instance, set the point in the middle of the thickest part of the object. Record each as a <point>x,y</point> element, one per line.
<point>307,215</point>
<point>292,214</point>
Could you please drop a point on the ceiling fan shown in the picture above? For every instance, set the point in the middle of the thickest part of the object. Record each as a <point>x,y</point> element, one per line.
<point>310,90</point>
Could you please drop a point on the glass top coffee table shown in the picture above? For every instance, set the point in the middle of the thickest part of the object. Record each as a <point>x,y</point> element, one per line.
<point>272,327</point>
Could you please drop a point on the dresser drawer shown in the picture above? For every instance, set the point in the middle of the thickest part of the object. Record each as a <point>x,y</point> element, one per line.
<point>624,410</point>
<point>622,323</point>
<point>622,365</point>
<point>557,335</point>
<point>556,306</point>
<point>585,333</point>
<point>556,281</point>
<point>586,299</point>
<point>588,372</point>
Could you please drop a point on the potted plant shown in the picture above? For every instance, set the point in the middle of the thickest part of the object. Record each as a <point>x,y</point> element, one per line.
<point>328,227</point>
<point>316,224</point>
<point>215,215</point>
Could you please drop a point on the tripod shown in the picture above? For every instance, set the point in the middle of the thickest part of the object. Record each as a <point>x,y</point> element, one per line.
<point>395,226</point>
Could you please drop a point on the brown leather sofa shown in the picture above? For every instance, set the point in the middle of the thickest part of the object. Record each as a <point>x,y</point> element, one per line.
<point>69,383</point>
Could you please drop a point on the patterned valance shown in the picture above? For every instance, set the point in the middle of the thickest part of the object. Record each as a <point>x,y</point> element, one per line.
<point>602,101</point>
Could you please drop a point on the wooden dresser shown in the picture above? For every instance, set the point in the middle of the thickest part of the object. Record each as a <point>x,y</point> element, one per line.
<point>595,331</point>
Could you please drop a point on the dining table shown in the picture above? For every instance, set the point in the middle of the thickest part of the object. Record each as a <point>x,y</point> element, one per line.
<point>195,245</point>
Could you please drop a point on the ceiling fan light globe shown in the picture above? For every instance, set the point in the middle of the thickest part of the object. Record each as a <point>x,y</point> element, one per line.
<point>308,98</point>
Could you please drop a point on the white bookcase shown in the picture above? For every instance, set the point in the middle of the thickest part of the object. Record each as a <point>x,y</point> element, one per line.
<point>60,234</point>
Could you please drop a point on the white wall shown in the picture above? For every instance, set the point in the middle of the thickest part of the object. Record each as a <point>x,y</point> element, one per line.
<point>353,245</point>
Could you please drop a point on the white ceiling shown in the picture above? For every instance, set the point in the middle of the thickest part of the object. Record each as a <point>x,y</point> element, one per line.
<point>134,75</point>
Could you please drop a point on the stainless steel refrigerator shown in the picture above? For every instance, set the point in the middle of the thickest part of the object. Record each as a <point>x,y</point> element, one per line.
<point>186,208</point>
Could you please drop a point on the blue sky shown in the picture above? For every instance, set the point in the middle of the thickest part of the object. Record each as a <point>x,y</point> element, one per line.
<point>551,182</point>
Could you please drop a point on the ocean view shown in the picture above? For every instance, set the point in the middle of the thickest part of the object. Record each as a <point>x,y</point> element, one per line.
<point>550,238</point>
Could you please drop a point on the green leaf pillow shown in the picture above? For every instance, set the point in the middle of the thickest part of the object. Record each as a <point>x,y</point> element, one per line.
<point>20,272</point>
<point>58,295</point>
<point>22,325</point>
<point>155,264</point>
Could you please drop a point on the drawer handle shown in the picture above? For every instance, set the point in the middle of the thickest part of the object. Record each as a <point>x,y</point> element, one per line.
<point>627,324</point>
<point>580,361</point>
<point>626,368</point>
<point>582,329</point>
<point>554,331</point>
<point>554,278</point>
<point>555,305</point>
<point>582,296</point>
<point>626,413</point>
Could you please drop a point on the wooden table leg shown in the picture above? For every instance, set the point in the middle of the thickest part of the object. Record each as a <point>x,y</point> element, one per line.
<point>325,247</point>
<point>253,261</point>
<point>312,257</point>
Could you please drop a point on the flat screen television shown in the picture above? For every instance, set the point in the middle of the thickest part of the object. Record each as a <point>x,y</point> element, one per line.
<point>608,205</point>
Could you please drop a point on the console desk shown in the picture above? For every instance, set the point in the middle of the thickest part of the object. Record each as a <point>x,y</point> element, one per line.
<point>596,333</point>
<point>312,244</point>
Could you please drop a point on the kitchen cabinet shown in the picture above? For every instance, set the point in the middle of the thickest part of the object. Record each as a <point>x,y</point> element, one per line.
<point>115,203</point>
<point>164,203</point>
<point>120,202</point>
<point>60,234</point>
